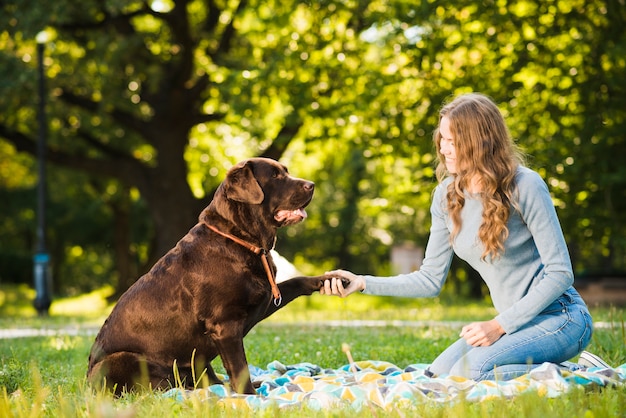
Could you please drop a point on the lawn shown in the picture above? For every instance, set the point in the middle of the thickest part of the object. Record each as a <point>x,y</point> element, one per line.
<point>45,376</point>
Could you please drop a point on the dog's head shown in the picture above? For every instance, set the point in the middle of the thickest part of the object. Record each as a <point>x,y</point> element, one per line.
<point>263,187</point>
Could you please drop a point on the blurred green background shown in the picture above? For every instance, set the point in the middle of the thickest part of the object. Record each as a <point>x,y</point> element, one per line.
<point>149,103</point>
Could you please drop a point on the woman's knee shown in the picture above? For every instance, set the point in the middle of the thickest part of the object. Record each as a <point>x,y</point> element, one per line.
<point>450,356</point>
<point>468,369</point>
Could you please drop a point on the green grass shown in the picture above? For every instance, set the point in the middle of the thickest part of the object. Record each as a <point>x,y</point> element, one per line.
<point>45,376</point>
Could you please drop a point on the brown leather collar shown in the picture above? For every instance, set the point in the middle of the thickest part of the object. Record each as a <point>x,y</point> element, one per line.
<point>257,250</point>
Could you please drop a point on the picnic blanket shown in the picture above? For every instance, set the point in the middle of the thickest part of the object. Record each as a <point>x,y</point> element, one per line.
<point>382,384</point>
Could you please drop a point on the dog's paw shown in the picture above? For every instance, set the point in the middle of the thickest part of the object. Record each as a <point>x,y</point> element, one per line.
<point>344,282</point>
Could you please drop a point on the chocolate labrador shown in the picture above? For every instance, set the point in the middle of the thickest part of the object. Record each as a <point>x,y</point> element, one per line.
<point>204,295</point>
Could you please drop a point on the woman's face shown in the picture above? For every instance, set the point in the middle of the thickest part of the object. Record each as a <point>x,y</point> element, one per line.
<point>446,144</point>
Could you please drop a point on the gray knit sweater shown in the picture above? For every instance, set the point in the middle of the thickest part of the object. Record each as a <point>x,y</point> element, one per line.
<point>534,270</point>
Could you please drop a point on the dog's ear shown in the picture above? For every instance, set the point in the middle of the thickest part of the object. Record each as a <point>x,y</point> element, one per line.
<point>242,186</point>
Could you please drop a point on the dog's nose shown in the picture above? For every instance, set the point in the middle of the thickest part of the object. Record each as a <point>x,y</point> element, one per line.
<point>309,186</point>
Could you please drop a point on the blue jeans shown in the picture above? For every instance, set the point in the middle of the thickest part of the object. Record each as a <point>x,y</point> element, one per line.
<point>557,334</point>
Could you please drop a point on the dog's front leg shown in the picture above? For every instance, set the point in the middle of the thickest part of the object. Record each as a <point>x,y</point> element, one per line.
<point>228,338</point>
<point>295,287</point>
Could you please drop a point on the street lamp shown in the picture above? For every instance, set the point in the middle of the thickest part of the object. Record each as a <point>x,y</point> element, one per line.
<point>41,259</point>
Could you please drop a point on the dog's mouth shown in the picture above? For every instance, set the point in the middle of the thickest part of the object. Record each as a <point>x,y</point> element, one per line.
<point>290,217</point>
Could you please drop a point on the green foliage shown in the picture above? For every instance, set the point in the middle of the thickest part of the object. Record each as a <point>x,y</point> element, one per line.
<point>16,301</point>
<point>153,102</point>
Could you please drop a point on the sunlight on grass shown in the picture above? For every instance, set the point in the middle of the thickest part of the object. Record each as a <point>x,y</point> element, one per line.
<point>366,307</point>
<point>90,304</point>
<point>16,308</point>
<point>17,301</point>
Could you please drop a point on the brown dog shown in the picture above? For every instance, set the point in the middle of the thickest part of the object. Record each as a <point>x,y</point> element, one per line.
<point>204,295</point>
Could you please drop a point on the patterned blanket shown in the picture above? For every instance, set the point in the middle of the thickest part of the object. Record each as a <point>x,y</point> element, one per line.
<point>366,383</point>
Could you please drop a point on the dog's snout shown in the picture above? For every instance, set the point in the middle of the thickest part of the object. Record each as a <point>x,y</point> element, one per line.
<point>309,186</point>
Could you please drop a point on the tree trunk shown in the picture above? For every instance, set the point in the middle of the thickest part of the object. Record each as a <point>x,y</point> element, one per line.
<point>172,206</point>
<point>125,265</point>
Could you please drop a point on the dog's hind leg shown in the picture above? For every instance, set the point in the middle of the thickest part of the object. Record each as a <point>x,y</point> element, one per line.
<point>127,371</point>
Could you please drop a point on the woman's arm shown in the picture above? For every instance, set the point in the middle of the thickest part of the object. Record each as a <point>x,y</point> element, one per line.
<point>425,282</point>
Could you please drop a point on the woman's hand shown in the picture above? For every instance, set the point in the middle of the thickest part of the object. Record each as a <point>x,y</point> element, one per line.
<point>482,334</point>
<point>335,286</point>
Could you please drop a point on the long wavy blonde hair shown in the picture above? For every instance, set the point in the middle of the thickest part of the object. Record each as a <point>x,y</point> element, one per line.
<point>485,155</point>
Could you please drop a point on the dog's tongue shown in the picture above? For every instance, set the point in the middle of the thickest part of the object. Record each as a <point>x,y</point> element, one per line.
<point>290,216</point>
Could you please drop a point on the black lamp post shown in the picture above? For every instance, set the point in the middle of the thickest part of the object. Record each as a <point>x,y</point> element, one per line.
<point>41,259</point>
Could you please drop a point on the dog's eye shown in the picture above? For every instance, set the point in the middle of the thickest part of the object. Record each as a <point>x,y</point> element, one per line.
<point>275,174</point>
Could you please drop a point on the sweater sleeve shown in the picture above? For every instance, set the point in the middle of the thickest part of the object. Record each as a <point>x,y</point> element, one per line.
<point>556,274</point>
<point>429,279</point>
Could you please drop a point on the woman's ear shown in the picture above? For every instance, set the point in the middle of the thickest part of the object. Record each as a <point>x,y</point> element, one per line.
<point>241,185</point>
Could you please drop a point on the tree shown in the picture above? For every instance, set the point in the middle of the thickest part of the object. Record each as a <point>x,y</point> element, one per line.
<point>146,93</point>
<point>154,101</point>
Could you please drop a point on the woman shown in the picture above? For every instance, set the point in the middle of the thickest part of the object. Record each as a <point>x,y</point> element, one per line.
<point>496,214</point>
